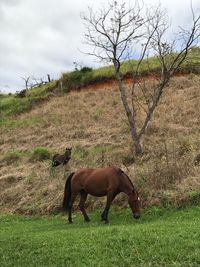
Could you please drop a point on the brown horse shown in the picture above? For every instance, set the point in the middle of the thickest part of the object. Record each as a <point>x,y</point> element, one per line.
<point>62,159</point>
<point>108,182</point>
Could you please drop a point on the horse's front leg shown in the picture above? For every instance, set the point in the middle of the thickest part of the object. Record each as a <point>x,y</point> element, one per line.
<point>110,196</point>
<point>82,205</point>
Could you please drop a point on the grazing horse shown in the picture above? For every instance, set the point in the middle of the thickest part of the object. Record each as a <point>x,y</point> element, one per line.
<point>61,159</point>
<point>108,182</point>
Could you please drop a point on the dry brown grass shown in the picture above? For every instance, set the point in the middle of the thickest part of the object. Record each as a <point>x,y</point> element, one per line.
<point>93,123</point>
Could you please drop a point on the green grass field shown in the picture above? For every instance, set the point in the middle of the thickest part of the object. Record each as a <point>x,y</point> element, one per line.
<point>162,237</point>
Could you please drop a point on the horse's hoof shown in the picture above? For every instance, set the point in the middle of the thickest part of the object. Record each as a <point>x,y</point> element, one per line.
<point>106,222</point>
<point>70,222</point>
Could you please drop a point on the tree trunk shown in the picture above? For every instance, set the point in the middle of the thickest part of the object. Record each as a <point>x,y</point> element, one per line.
<point>138,147</point>
<point>131,118</point>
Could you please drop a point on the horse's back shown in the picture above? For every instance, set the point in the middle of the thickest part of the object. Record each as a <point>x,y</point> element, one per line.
<point>55,156</point>
<point>96,182</point>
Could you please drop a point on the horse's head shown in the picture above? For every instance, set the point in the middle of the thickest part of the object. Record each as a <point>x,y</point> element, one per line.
<point>68,152</point>
<point>134,202</point>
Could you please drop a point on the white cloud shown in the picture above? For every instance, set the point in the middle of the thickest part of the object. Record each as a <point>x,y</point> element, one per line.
<point>40,37</point>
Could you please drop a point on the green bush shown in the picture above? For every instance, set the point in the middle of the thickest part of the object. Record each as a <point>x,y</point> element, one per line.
<point>128,159</point>
<point>40,154</point>
<point>21,93</point>
<point>79,153</point>
<point>19,123</point>
<point>11,106</point>
<point>24,100</point>
<point>13,156</point>
<point>77,78</point>
<point>193,197</point>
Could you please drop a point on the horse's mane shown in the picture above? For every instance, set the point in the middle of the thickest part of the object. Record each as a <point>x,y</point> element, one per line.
<point>128,178</point>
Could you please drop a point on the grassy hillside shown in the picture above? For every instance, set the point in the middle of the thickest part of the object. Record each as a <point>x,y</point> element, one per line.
<point>93,123</point>
<point>160,238</point>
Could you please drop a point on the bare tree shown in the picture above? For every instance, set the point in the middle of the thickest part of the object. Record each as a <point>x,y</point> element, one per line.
<point>26,81</point>
<point>32,81</point>
<point>116,32</point>
<point>49,78</point>
<point>36,82</point>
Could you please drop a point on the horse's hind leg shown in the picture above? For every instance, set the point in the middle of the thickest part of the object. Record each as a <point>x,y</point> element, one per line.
<point>82,205</point>
<point>73,197</point>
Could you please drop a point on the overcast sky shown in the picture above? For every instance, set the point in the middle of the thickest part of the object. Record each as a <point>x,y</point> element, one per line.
<point>40,37</point>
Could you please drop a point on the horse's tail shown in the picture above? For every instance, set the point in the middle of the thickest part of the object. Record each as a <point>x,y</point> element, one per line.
<point>67,192</point>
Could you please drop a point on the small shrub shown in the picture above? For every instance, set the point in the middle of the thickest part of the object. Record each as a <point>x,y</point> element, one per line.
<point>19,123</point>
<point>99,149</point>
<point>85,69</point>
<point>77,78</point>
<point>40,154</point>
<point>193,197</point>
<point>184,147</point>
<point>142,180</point>
<point>21,93</point>
<point>99,155</point>
<point>164,175</point>
<point>128,159</point>
<point>13,156</point>
<point>79,153</point>
<point>98,114</point>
